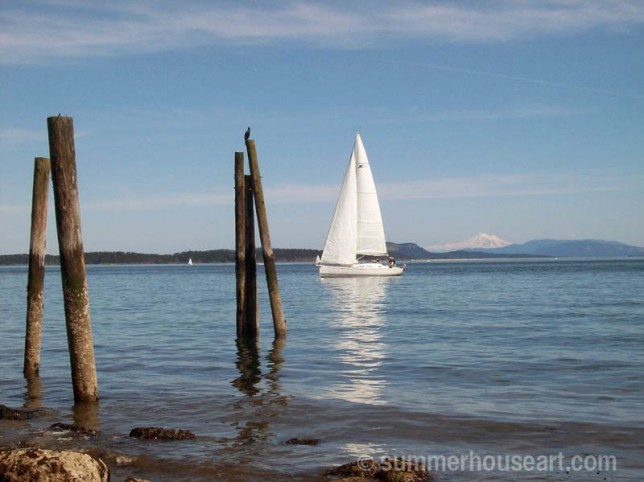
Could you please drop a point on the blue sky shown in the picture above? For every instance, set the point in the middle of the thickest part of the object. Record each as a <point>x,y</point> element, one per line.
<point>519,118</point>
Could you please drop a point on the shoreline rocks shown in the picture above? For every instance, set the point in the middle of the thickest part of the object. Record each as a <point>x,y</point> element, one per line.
<point>75,429</point>
<point>302,441</point>
<point>40,465</point>
<point>157,433</point>
<point>387,470</point>
<point>7,413</point>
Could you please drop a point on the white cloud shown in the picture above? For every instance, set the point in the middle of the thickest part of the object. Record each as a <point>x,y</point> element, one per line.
<point>518,78</point>
<point>22,136</point>
<point>498,186</point>
<point>80,29</point>
<point>446,188</point>
<point>526,112</point>
<point>156,202</point>
<point>504,185</point>
<point>14,210</point>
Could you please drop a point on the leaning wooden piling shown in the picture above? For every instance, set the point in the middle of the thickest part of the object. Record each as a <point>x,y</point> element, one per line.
<point>279,323</point>
<point>36,276</point>
<point>240,242</point>
<point>72,258</point>
<point>251,329</point>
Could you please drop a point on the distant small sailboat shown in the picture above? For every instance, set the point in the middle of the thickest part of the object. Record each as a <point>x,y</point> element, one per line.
<point>190,261</point>
<point>357,228</point>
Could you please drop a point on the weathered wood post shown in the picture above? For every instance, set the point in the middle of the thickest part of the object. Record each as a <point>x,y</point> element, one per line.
<point>72,258</point>
<point>252,306</point>
<point>279,323</point>
<point>36,277</point>
<point>245,257</point>
<point>240,242</point>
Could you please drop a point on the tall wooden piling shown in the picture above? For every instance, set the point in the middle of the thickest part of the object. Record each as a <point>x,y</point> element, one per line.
<point>279,323</point>
<point>252,312</point>
<point>240,242</point>
<point>245,256</point>
<point>36,277</point>
<point>72,258</point>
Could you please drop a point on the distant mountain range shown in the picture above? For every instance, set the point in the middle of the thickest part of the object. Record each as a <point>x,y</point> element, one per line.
<point>476,248</point>
<point>581,248</point>
<point>401,251</point>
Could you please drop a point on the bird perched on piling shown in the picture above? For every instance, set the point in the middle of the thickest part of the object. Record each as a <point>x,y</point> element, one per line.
<point>247,134</point>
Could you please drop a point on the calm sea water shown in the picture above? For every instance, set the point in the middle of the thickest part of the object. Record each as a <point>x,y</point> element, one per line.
<point>528,358</point>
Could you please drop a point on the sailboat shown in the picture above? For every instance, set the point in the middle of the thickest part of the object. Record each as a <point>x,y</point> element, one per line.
<point>190,261</point>
<point>357,229</point>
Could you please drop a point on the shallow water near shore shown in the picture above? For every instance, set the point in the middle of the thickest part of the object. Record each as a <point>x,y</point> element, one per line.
<point>495,358</point>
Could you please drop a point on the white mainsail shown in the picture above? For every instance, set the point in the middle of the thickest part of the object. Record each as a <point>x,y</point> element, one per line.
<point>357,227</point>
<point>342,240</point>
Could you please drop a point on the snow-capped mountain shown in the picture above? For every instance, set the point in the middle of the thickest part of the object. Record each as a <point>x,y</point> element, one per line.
<point>480,241</point>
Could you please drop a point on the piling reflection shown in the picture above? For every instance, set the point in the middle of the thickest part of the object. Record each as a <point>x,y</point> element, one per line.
<point>86,415</point>
<point>33,395</point>
<point>263,400</point>
<point>248,366</point>
<point>359,305</point>
<point>275,363</point>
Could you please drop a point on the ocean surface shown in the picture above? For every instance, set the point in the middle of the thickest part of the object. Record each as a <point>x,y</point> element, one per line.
<point>540,358</point>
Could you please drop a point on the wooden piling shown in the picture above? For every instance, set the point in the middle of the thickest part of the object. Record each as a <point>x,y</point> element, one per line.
<point>279,323</point>
<point>240,242</point>
<point>72,258</point>
<point>36,276</point>
<point>252,313</point>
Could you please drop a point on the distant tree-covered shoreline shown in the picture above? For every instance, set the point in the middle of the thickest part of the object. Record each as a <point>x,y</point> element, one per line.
<point>125,257</point>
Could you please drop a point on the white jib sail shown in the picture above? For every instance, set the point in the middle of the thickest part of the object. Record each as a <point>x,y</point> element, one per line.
<point>342,240</point>
<point>371,232</point>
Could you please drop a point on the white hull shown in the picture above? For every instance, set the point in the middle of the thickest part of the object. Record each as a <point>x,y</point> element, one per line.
<point>359,269</point>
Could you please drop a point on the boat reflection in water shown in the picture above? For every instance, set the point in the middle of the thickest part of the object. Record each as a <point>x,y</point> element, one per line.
<point>358,306</point>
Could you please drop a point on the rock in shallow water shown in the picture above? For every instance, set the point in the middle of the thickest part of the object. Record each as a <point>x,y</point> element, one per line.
<point>156,433</point>
<point>302,441</point>
<point>39,465</point>
<point>388,470</point>
<point>7,413</point>
<point>75,429</point>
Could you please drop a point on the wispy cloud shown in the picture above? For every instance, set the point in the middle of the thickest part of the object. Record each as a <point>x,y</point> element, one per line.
<point>287,193</point>
<point>74,29</point>
<point>164,201</point>
<point>502,186</point>
<point>517,113</point>
<point>483,186</point>
<point>530,80</point>
<point>22,136</point>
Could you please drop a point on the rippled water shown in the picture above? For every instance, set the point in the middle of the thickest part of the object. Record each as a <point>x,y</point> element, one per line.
<point>513,357</point>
